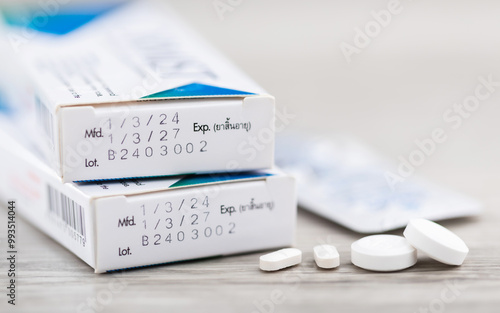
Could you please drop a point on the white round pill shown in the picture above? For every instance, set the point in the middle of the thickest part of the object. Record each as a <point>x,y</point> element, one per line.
<point>326,256</point>
<point>383,253</point>
<point>436,241</point>
<point>280,259</point>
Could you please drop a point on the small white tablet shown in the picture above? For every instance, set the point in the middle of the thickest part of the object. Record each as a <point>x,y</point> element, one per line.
<point>326,256</point>
<point>280,259</point>
<point>384,253</point>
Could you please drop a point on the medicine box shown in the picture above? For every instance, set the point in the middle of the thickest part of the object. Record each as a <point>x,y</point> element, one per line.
<point>137,222</point>
<point>131,91</point>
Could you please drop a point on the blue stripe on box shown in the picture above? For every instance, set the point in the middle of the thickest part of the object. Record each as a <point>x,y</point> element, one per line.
<point>57,19</point>
<point>196,90</point>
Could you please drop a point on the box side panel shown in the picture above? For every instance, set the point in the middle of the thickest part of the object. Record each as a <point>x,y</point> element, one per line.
<point>24,114</point>
<point>193,223</point>
<point>167,138</point>
<point>47,138</point>
<point>57,209</point>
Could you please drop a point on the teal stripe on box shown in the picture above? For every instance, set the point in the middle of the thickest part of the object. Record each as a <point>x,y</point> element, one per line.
<point>196,90</point>
<point>193,180</point>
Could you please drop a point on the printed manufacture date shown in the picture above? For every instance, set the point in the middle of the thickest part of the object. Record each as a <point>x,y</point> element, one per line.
<point>137,122</point>
<point>186,220</point>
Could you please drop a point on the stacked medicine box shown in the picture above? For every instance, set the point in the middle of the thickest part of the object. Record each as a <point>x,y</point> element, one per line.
<point>139,144</point>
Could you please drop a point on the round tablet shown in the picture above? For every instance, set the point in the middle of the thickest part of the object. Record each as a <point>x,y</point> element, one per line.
<point>436,241</point>
<point>383,253</point>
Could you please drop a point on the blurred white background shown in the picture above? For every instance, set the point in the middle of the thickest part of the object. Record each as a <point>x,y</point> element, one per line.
<point>393,92</point>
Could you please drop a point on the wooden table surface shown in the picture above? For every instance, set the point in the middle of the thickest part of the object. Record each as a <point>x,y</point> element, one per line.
<point>394,92</point>
<point>51,279</point>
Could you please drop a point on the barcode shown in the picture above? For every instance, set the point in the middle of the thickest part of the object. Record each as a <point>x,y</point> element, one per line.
<point>45,121</point>
<point>68,211</point>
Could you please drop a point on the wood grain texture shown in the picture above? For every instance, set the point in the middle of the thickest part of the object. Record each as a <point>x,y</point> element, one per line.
<point>52,279</point>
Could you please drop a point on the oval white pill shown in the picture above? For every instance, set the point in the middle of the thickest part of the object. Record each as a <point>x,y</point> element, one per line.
<point>384,253</point>
<point>280,259</point>
<point>326,256</point>
<point>436,241</point>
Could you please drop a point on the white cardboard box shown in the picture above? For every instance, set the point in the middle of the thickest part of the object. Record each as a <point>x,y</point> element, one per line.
<point>139,222</point>
<point>134,92</point>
